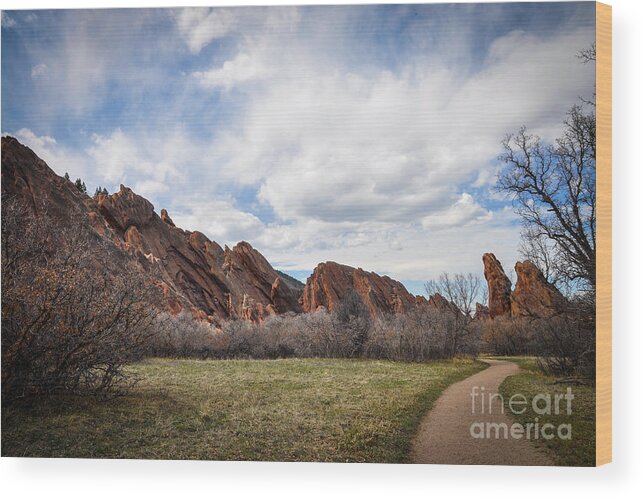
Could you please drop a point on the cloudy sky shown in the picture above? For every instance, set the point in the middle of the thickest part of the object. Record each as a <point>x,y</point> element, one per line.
<point>366,135</point>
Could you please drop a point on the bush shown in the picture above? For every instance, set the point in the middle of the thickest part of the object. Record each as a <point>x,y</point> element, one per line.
<point>565,343</point>
<point>70,319</point>
<point>509,336</point>
<point>419,335</point>
<point>182,336</point>
<point>353,319</point>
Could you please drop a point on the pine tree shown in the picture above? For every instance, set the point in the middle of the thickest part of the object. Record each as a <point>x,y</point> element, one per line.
<point>80,185</point>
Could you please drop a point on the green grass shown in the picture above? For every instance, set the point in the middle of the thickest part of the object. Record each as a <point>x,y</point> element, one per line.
<point>580,449</point>
<point>283,410</point>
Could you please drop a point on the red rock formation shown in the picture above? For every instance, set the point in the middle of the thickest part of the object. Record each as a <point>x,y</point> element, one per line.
<point>441,303</point>
<point>330,282</point>
<point>194,273</point>
<point>124,209</point>
<point>283,298</point>
<point>134,240</point>
<point>533,295</point>
<point>166,218</point>
<point>172,304</point>
<point>499,286</point>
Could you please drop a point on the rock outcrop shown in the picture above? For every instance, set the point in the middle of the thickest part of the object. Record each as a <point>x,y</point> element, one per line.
<point>331,281</point>
<point>166,218</point>
<point>194,273</point>
<point>533,295</point>
<point>441,303</point>
<point>499,286</point>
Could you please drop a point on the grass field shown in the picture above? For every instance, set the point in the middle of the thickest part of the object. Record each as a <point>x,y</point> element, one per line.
<point>580,449</point>
<point>284,410</point>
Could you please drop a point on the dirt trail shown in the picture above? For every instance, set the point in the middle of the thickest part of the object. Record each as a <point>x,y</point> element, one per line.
<point>445,437</point>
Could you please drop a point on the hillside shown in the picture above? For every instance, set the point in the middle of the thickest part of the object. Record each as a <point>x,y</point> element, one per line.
<point>195,273</point>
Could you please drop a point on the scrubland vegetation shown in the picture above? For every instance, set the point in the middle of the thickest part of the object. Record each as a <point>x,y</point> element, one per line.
<point>415,336</point>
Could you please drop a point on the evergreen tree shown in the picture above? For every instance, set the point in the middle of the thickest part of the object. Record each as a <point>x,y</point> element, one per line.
<point>80,185</point>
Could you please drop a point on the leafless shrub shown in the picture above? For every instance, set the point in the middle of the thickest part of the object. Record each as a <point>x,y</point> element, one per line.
<point>567,342</point>
<point>419,335</point>
<point>71,320</point>
<point>508,336</point>
<point>182,336</point>
<point>352,319</point>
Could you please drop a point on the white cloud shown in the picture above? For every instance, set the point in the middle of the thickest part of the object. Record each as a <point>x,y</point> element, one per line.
<point>59,158</point>
<point>7,21</point>
<point>199,26</point>
<point>147,187</point>
<point>148,163</point>
<point>238,70</point>
<point>368,166</point>
<point>220,220</point>
<point>89,58</point>
<point>404,251</point>
<point>337,143</point>
<point>39,71</point>
<point>460,215</point>
<point>115,155</point>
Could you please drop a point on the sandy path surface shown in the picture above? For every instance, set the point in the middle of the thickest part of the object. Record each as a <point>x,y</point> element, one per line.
<point>445,436</point>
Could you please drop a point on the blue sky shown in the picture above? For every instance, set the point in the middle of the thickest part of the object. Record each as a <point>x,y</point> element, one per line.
<point>367,135</point>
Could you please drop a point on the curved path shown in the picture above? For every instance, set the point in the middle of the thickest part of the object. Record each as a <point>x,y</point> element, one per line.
<point>445,436</point>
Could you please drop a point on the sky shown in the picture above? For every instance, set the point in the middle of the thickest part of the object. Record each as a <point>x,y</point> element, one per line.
<point>367,135</point>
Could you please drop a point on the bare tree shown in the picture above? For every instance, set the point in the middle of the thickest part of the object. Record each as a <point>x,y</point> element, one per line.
<point>554,190</point>
<point>554,187</point>
<point>461,292</point>
<point>353,319</point>
<point>587,56</point>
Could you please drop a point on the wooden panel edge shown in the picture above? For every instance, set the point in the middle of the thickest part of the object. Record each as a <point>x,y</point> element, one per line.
<point>604,234</point>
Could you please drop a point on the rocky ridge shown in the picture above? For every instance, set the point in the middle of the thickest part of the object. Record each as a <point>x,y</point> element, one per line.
<point>197,275</point>
<point>194,273</point>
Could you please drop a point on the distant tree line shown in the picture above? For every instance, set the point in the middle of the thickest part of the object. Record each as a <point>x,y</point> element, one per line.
<point>80,185</point>
<point>349,331</point>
